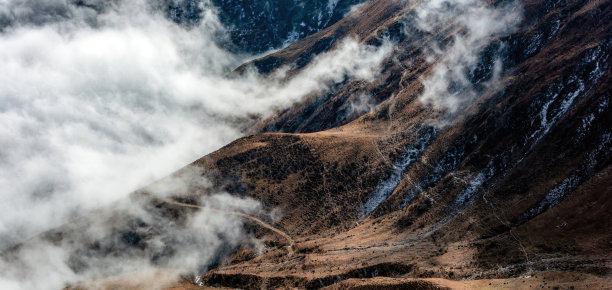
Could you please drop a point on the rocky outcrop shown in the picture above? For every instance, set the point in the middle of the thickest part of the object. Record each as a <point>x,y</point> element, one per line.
<point>257,26</point>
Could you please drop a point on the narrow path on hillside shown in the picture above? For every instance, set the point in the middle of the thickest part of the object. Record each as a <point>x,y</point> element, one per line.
<point>281,233</point>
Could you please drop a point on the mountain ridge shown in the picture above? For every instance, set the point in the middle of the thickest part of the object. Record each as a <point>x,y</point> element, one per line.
<point>389,191</point>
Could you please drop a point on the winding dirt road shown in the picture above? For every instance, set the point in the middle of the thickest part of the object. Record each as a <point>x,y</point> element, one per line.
<point>279,232</point>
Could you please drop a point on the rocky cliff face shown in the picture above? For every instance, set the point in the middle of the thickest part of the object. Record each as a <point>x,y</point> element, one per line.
<point>498,168</point>
<point>258,26</point>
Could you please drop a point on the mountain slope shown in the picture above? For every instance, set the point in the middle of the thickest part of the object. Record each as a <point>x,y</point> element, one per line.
<point>504,190</point>
<point>259,26</point>
<point>509,181</point>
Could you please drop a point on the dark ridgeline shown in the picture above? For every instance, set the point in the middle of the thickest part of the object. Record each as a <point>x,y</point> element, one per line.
<point>256,26</point>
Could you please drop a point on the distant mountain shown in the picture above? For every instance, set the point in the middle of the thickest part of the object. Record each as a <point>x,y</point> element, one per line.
<point>257,26</point>
<point>254,26</point>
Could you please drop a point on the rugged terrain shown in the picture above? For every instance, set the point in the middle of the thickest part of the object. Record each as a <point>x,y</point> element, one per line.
<point>517,184</point>
<point>257,26</point>
<point>511,190</point>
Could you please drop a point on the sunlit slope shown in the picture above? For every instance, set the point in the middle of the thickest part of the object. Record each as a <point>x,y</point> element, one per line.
<point>512,182</point>
<point>479,157</point>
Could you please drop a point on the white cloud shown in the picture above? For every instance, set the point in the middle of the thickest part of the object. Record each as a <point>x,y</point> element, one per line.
<point>97,102</point>
<point>448,87</point>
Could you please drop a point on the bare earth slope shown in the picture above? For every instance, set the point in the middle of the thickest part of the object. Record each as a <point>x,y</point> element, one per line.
<point>518,184</point>
<point>512,191</point>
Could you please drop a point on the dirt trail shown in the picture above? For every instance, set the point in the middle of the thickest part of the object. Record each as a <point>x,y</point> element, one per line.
<point>291,245</point>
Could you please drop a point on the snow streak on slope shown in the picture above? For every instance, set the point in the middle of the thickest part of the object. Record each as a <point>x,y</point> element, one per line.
<point>445,165</point>
<point>407,158</point>
<point>555,104</point>
<point>563,93</point>
<point>571,183</point>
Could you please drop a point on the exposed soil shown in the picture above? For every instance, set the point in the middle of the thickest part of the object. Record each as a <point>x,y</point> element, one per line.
<point>514,191</point>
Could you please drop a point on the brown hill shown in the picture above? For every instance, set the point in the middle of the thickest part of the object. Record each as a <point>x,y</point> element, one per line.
<point>483,198</point>
<point>511,190</point>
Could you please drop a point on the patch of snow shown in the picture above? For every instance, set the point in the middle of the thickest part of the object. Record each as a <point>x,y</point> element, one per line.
<point>467,196</point>
<point>571,183</point>
<point>603,105</point>
<point>446,164</point>
<point>555,29</point>
<point>586,124</point>
<point>534,44</point>
<point>555,195</point>
<point>549,114</point>
<point>292,37</point>
<point>387,186</point>
<point>331,6</point>
<point>557,113</point>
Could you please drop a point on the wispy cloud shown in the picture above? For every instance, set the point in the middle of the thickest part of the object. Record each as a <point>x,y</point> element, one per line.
<point>450,85</point>
<point>103,98</point>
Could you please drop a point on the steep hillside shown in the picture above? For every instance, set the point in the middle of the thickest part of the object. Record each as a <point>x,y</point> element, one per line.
<point>499,177</point>
<point>258,26</point>
<point>514,183</point>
